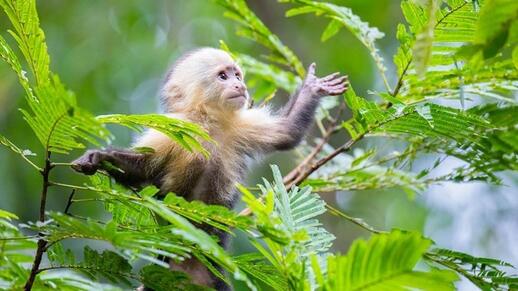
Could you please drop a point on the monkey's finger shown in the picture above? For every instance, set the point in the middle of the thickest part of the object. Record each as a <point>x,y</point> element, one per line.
<point>330,77</point>
<point>339,90</point>
<point>337,86</point>
<point>85,168</point>
<point>311,69</point>
<point>336,81</point>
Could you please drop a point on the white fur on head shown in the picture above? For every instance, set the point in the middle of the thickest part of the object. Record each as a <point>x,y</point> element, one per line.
<point>191,81</point>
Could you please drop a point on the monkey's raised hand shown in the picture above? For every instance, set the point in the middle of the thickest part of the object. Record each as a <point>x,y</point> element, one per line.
<point>330,85</point>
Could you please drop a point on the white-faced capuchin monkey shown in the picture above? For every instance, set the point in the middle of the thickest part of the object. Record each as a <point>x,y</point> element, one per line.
<point>207,87</point>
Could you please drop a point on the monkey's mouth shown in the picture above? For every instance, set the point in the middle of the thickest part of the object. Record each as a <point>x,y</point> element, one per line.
<point>237,97</point>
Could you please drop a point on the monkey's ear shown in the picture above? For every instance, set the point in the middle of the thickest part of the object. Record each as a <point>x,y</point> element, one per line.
<point>170,96</point>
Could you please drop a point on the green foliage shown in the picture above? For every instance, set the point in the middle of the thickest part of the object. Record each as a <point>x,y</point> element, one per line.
<point>184,133</point>
<point>494,26</point>
<point>253,28</point>
<point>448,49</point>
<point>287,221</point>
<point>159,278</point>
<point>486,273</point>
<point>365,171</point>
<point>108,264</point>
<point>343,17</point>
<point>54,115</point>
<point>298,207</point>
<point>386,261</point>
<point>256,266</point>
<point>448,77</point>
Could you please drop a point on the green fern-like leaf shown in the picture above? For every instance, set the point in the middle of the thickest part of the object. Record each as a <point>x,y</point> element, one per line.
<point>184,229</point>
<point>256,267</point>
<point>134,244</point>
<point>455,25</point>
<point>183,132</point>
<point>298,208</point>
<point>486,273</point>
<point>53,114</point>
<point>386,261</point>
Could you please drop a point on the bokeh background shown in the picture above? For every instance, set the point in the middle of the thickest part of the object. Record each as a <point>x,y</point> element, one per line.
<point>114,55</point>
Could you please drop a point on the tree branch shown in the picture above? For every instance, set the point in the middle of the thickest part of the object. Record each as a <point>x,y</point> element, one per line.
<point>331,129</point>
<point>41,242</point>
<point>304,174</point>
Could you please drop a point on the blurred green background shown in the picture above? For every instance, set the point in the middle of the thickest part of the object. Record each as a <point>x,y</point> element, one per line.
<point>113,55</point>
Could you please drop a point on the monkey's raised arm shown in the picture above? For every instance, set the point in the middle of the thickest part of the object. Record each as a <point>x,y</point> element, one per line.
<point>297,115</point>
<point>126,167</point>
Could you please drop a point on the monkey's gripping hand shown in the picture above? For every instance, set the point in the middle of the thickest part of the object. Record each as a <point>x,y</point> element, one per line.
<point>330,85</point>
<point>127,167</point>
<point>89,162</point>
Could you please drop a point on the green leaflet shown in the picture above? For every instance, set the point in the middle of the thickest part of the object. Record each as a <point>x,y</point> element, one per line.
<point>386,261</point>
<point>107,264</point>
<point>183,132</point>
<point>53,114</point>
<point>455,27</point>
<point>486,273</point>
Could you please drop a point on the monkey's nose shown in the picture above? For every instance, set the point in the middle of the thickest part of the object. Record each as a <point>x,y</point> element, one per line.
<point>239,87</point>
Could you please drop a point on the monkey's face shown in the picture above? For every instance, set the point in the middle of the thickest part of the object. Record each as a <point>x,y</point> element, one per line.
<point>233,89</point>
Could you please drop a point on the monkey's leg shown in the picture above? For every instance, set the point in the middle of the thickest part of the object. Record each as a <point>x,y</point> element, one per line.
<point>126,167</point>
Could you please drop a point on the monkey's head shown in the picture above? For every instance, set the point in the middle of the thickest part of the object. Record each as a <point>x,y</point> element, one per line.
<point>206,76</point>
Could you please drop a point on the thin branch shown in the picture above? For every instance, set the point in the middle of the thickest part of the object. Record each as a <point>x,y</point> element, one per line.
<point>303,175</point>
<point>449,13</point>
<point>452,266</point>
<point>43,201</point>
<point>128,275</point>
<point>41,242</point>
<point>331,129</point>
<point>69,201</point>
<point>358,221</point>
<point>400,79</point>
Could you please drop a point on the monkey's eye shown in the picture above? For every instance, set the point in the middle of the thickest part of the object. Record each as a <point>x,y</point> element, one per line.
<point>222,76</point>
<point>238,76</point>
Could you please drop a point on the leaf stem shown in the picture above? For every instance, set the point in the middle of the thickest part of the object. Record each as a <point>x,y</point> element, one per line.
<point>62,164</point>
<point>128,275</point>
<point>18,237</point>
<point>358,221</point>
<point>76,187</point>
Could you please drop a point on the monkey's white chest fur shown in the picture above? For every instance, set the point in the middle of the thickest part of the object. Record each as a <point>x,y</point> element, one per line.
<point>193,176</point>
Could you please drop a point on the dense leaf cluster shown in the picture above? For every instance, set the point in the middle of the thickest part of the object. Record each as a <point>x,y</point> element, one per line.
<point>453,49</point>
